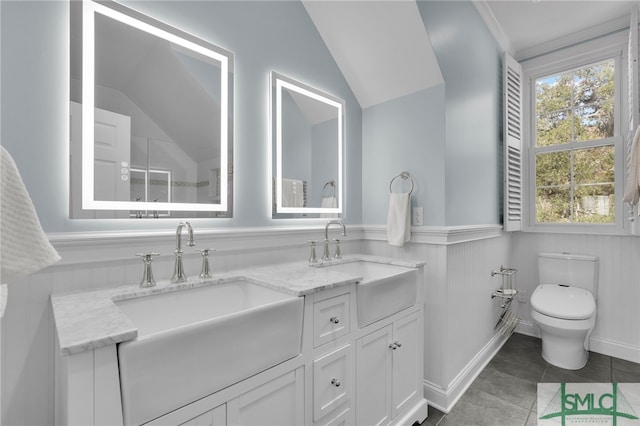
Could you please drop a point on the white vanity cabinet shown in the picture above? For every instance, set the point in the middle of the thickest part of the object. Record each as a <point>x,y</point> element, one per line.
<point>343,375</point>
<point>388,370</point>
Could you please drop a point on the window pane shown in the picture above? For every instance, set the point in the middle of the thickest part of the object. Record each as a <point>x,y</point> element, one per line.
<point>553,205</point>
<point>594,165</point>
<point>577,105</point>
<point>553,128</point>
<point>594,204</point>
<point>593,122</point>
<point>553,169</point>
<point>554,93</point>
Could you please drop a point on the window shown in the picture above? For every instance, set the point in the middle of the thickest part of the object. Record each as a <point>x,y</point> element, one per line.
<point>574,149</point>
<point>575,163</point>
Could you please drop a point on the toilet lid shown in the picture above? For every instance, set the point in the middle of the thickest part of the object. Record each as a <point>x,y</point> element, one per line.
<point>563,302</point>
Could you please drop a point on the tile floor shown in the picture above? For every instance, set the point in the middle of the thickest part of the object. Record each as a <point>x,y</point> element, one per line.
<point>505,392</point>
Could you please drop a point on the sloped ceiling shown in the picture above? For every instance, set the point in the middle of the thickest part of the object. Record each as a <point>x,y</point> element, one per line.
<point>384,52</point>
<point>381,47</point>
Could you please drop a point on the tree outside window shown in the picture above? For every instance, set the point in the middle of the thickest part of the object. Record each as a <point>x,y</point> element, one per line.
<point>574,152</point>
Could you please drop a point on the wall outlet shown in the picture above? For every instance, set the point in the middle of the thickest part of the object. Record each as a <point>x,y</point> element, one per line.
<point>418,216</point>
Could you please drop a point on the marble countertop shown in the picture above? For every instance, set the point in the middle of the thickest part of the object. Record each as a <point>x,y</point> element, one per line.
<point>91,319</point>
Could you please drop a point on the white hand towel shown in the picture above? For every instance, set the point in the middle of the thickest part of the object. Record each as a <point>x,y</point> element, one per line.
<point>328,203</point>
<point>292,193</point>
<point>632,190</point>
<point>25,248</point>
<point>399,219</point>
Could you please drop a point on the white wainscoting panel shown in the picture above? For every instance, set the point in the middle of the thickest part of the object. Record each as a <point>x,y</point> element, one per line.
<point>459,313</point>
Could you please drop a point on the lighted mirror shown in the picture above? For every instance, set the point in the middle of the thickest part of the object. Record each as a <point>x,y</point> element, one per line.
<point>307,150</point>
<point>151,118</point>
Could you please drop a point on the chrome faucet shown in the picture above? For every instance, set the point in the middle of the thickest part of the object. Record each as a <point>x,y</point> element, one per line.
<point>325,253</point>
<point>178,271</point>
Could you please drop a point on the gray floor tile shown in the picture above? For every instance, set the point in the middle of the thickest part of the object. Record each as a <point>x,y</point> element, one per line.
<point>530,368</point>
<point>513,389</point>
<point>505,392</point>
<point>623,371</point>
<point>522,346</point>
<point>455,419</point>
<point>489,410</point>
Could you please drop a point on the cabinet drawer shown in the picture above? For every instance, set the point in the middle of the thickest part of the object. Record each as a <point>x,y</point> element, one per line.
<point>332,381</point>
<point>331,319</point>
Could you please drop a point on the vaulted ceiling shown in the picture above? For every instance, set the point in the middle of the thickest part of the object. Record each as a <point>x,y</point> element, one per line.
<point>384,52</point>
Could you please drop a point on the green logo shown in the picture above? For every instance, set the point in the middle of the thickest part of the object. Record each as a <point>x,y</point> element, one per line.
<point>588,403</point>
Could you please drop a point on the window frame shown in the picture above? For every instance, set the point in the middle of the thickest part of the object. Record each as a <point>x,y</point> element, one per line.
<point>609,47</point>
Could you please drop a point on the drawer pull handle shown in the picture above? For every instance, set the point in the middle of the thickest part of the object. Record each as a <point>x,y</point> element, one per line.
<point>334,320</point>
<point>335,382</point>
<point>395,345</point>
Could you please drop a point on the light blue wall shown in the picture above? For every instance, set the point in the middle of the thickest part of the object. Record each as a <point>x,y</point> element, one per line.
<point>405,134</point>
<point>264,35</point>
<point>470,60</point>
<point>448,137</point>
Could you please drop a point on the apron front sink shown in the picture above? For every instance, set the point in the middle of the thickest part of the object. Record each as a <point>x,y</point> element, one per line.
<point>194,342</point>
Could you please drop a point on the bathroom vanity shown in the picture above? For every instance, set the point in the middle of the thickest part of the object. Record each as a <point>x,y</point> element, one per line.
<point>337,343</point>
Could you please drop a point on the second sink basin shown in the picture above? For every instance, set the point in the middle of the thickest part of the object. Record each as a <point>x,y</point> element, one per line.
<point>194,342</point>
<point>384,289</point>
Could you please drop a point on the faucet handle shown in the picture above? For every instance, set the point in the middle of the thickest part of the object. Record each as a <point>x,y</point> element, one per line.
<point>338,253</point>
<point>312,255</point>
<point>147,275</point>
<point>205,272</point>
<point>147,255</point>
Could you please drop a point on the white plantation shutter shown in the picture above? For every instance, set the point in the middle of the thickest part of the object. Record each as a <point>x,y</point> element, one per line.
<point>512,123</point>
<point>633,105</point>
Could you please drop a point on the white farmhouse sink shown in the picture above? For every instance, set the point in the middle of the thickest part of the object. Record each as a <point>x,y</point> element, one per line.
<point>384,289</point>
<point>194,342</point>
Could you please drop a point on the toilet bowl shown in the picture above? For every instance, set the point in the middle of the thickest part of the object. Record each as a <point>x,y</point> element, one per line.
<point>564,307</point>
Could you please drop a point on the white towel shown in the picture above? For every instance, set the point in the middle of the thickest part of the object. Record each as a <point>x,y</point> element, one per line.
<point>399,219</point>
<point>328,203</point>
<point>632,190</point>
<point>292,193</point>
<point>25,248</point>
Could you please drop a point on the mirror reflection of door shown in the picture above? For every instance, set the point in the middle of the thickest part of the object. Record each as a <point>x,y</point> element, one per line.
<point>111,166</point>
<point>112,148</point>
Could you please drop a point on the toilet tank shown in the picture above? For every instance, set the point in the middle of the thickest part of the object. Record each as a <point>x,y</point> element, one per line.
<point>576,270</point>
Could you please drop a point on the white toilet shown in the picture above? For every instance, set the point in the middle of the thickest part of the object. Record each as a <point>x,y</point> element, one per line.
<point>564,307</point>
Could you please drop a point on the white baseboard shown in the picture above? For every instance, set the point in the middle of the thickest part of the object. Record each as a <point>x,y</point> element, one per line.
<point>614,349</point>
<point>445,399</point>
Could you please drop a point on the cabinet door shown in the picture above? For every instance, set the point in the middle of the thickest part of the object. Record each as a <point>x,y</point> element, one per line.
<point>331,381</point>
<point>406,383</point>
<point>279,402</point>
<point>373,377</point>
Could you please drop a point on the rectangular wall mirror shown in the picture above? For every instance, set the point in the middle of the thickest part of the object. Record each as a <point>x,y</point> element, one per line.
<point>151,118</point>
<point>307,127</point>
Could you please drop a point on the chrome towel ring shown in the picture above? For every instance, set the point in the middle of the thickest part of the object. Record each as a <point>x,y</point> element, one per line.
<point>404,176</point>
<point>330,184</point>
